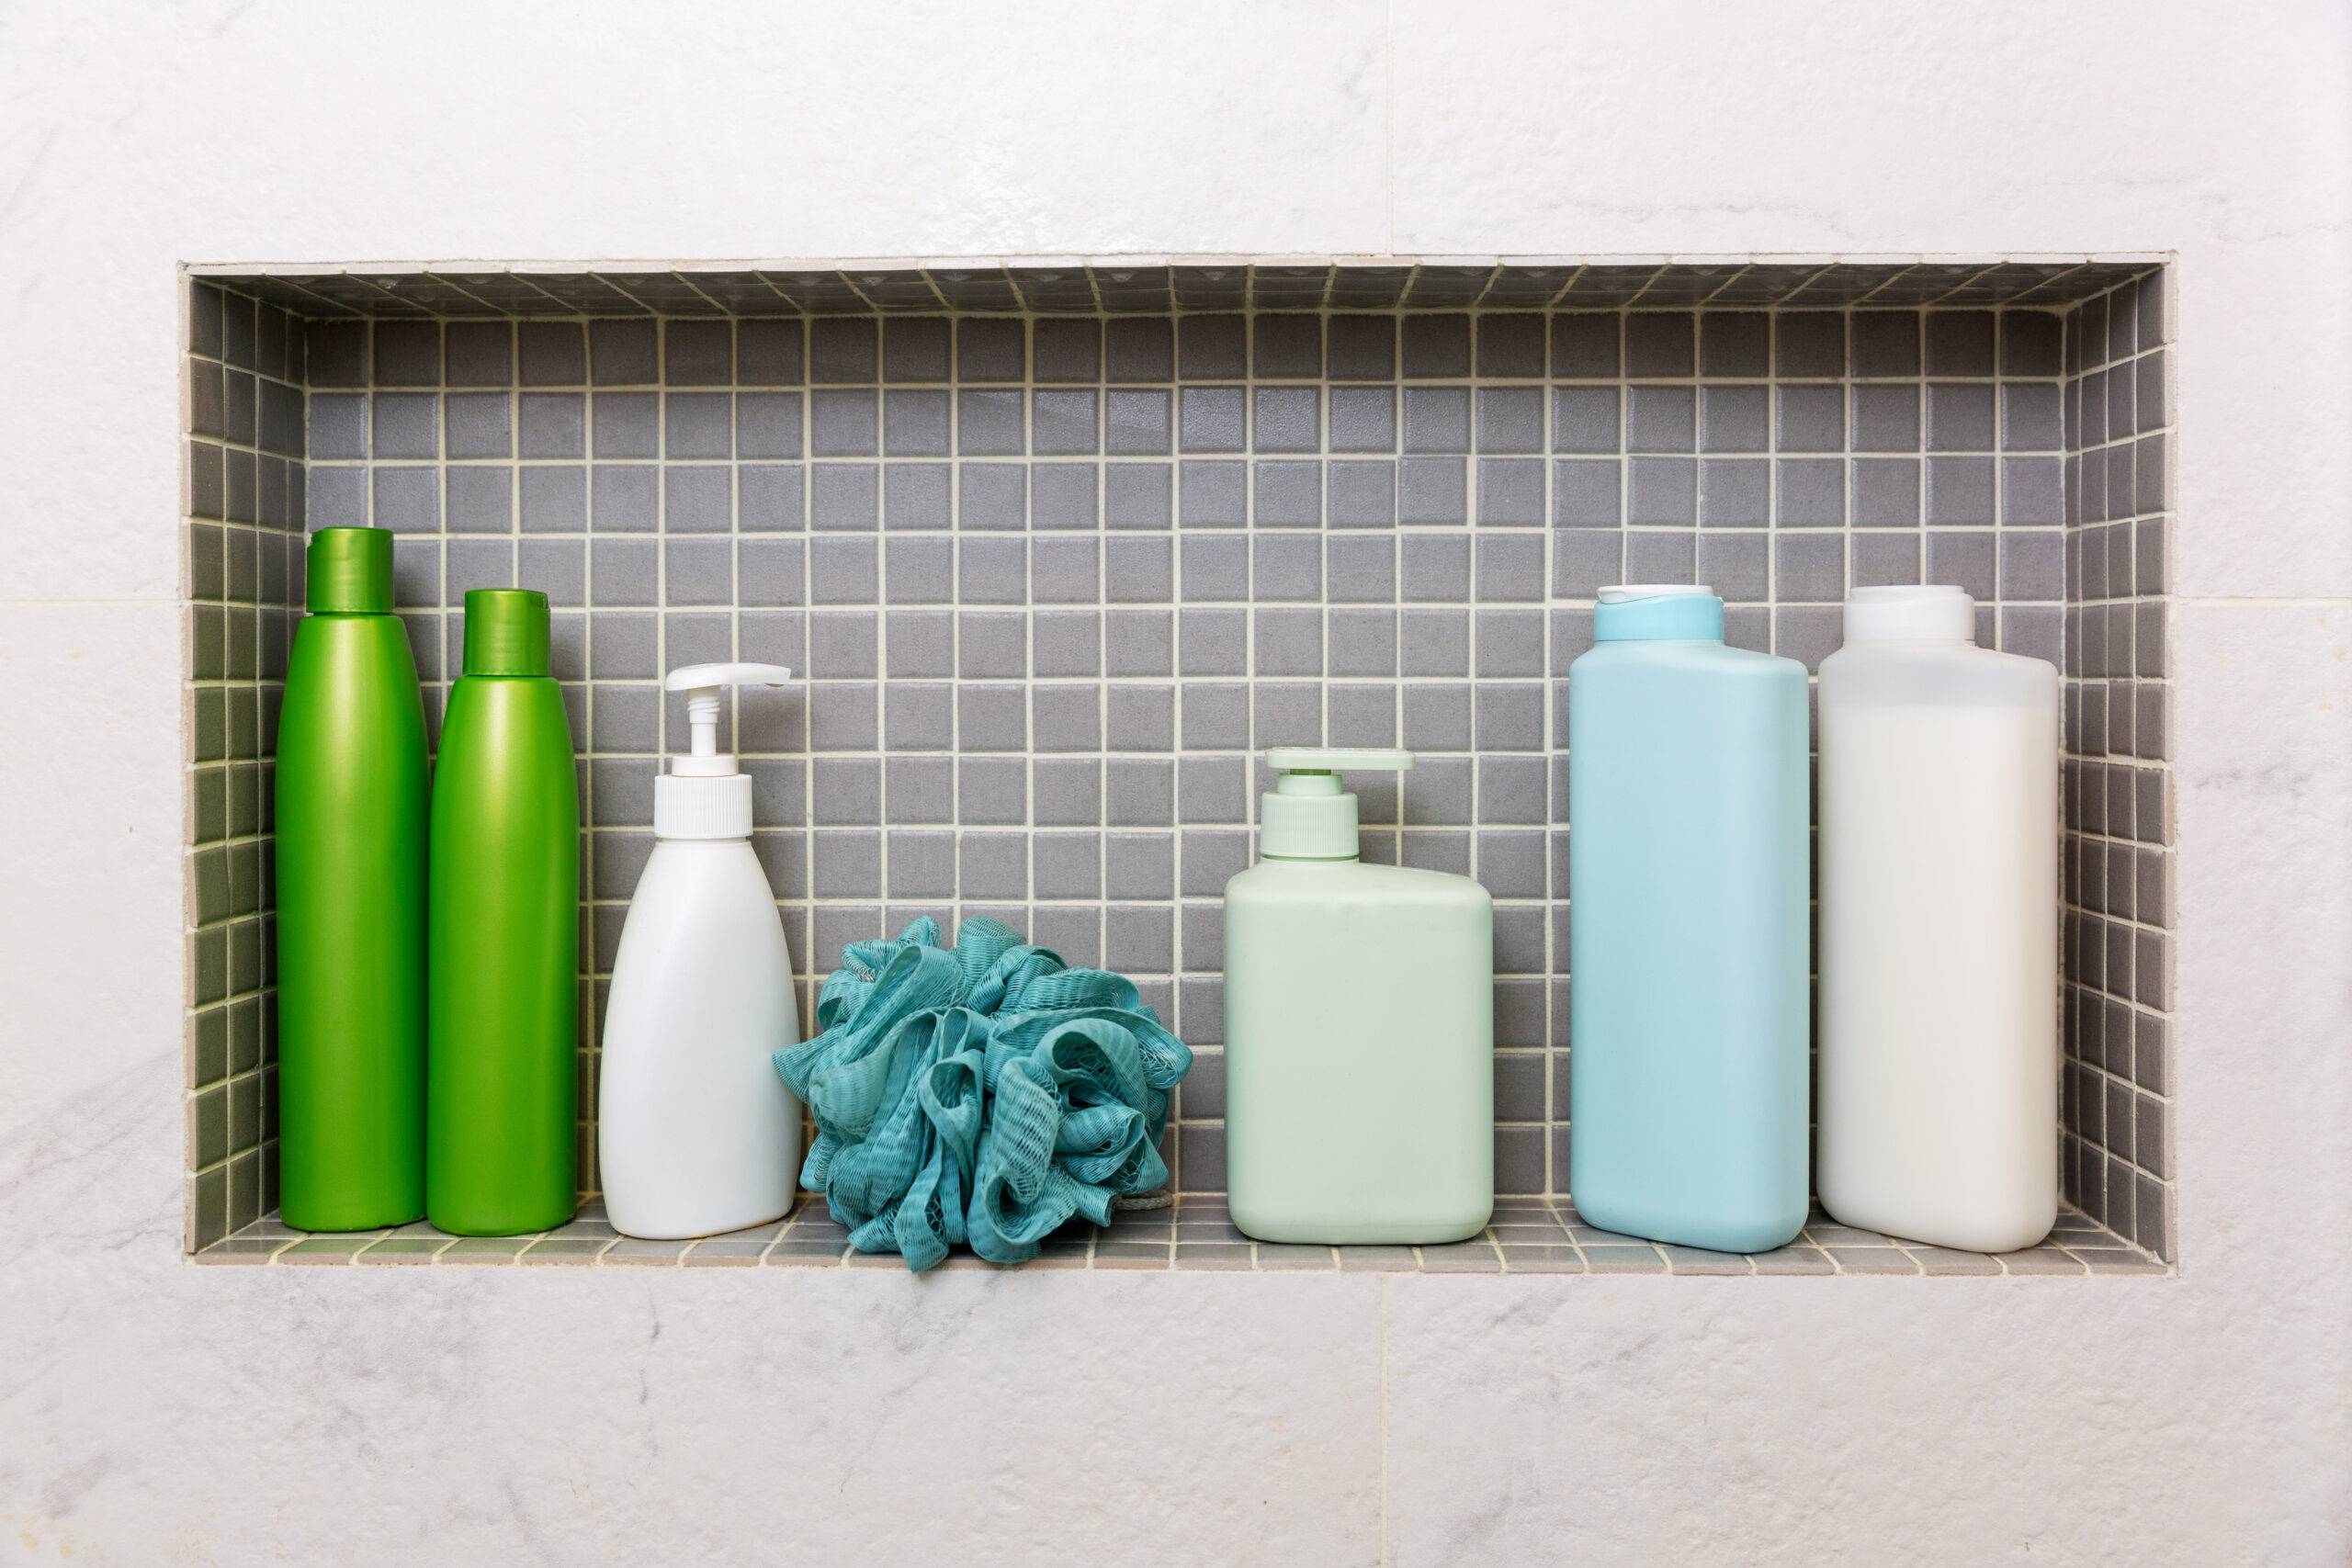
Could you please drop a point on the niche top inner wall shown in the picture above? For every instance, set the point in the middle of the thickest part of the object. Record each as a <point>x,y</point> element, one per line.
<point>1160,286</point>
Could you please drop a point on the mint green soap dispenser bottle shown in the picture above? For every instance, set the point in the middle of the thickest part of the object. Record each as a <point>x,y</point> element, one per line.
<point>1358,1027</point>
<point>501,964</point>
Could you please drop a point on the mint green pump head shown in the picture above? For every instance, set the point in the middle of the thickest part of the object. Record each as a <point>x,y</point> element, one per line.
<point>1307,815</point>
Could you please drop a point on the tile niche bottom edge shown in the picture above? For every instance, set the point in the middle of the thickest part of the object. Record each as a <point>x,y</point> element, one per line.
<point>1195,1234</point>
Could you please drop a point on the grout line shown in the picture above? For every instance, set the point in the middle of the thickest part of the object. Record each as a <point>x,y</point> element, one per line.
<point>1384,1418</point>
<point>1387,123</point>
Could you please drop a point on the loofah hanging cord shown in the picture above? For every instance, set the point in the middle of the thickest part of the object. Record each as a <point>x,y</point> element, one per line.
<point>981,1095</point>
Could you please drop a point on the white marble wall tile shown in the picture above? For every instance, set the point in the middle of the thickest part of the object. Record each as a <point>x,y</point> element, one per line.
<point>1822,1421</point>
<point>2265,979</point>
<point>404,1416</point>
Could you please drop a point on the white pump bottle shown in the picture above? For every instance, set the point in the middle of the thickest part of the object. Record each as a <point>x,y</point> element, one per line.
<point>696,1133</point>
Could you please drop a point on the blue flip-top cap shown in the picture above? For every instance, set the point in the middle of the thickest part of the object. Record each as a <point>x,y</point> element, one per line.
<point>1646,612</point>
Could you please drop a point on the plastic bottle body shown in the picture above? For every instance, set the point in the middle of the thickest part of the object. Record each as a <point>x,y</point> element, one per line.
<point>351,793</point>
<point>696,1133</point>
<point>1359,1023</point>
<point>1687,926</point>
<point>503,970</point>
<point>1938,1052</point>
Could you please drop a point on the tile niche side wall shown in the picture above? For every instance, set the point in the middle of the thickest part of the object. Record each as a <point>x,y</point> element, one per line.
<point>2115,1096</point>
<point>1053,579</point>
<point>243,480</point>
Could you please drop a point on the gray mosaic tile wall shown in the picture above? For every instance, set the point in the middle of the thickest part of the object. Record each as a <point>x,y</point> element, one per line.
<point>1055,577</point>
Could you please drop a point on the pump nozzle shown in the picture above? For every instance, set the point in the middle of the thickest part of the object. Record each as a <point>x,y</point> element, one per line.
<point>704,686</point>
<point>702,796</point>
<point>1339,759</point>
<point>1307,816</point>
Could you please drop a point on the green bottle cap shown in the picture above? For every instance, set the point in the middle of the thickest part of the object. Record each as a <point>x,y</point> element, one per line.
<point>350,571</point>
<point>506,631</point>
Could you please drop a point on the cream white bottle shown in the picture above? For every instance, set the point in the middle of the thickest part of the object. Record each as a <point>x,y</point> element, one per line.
<point>1939,949</point>
<point>1358,1027</point>
<point>696,1132</point>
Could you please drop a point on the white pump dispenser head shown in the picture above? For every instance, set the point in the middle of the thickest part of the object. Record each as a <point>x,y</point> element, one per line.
<point>704,796</point>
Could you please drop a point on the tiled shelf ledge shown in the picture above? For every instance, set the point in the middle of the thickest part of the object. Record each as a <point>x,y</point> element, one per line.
<point>1196,1234</point>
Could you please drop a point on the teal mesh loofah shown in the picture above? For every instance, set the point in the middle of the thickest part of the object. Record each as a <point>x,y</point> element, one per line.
<point>983,1094</point>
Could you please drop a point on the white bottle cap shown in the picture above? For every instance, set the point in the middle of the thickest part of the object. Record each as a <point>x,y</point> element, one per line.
<point>1930,612</point>
<point>704,796</point>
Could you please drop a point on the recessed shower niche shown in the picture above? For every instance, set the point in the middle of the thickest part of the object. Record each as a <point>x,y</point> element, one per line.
<point>1060,545</point>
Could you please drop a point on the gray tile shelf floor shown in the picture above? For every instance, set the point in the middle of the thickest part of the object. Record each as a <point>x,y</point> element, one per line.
<point>1195,1235</point>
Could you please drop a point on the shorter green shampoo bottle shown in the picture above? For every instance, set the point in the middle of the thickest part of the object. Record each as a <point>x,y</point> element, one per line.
<point>1358,1027</point>
<point>502,1095</point>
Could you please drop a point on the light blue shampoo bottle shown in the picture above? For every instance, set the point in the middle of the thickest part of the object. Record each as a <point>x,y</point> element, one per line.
<point>1687,927</point>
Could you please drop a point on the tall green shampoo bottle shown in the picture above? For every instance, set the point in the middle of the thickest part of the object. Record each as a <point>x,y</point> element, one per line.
<point>350,875</point>
<point>501,1150</point>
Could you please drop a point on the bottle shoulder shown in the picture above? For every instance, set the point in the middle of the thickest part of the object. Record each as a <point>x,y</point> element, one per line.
<point>1712,660</point>
<point>330,651</point>
<point>351,694</point>
<point>1321,881</point>
<point>532,704</point>
<point>722,863</point>
<point>701,902</point>
<point>1937,675</point>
